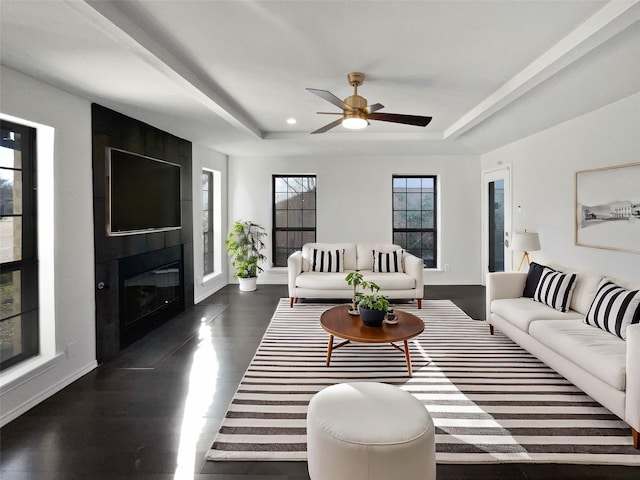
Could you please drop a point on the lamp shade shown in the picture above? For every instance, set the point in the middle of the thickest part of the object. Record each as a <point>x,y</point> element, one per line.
<point>525,242</point>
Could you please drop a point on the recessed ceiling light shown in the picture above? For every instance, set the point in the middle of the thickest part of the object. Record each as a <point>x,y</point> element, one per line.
<point>291,121</point>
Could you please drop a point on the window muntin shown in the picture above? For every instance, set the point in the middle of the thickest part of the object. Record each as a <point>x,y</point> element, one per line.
<point>415,216</point>
<point>19,329</point>
<point>294,215</point>
<point>207,222</point>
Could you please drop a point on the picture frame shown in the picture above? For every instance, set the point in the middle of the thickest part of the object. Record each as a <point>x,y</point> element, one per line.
<point>607,208</point>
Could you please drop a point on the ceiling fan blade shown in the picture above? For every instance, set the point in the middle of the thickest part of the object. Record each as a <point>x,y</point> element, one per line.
<point>331,98</point>
<point>329,113</point>
<point>417,120</point>
<point>374,108</point>
<point>328,127</point>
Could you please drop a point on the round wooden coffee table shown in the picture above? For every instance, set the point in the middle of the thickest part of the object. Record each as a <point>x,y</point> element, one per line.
<point>338,323</point>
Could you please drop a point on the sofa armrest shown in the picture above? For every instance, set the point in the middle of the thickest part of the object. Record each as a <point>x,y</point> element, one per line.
<point>632,404</point>
<point>294,268</point>
<point>414,267</point>
<point>503,285</point>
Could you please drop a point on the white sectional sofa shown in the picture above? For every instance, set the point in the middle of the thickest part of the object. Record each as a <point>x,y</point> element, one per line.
<point>603,365</point>
<point>305,283</point>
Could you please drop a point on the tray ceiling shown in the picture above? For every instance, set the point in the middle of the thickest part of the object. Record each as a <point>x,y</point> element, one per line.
<point>228,74</point>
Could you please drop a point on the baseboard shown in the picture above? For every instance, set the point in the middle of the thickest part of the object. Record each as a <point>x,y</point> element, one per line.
<point>32,402</point>
<point>432,281</point>
<point>274,276</point>
<point>209,288</point>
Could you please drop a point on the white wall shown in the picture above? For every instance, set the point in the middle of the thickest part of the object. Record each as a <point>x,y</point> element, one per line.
<point>354,203</point>
<point>211,160</point>
<point>543,169</point>
<point>65,242</point>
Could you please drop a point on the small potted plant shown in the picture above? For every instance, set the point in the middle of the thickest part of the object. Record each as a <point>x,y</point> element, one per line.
<point>372,307</point>
<point>355,279</point>
<point>245,245</point>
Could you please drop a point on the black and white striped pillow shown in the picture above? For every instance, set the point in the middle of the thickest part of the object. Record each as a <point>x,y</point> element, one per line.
<point>614,308</point>
<point>390,262</point>
<point>555,289</point>
<point>327,261</point>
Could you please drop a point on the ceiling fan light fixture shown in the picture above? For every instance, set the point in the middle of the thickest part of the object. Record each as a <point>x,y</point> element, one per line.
<point>356,112</point>
<point>354,121</point>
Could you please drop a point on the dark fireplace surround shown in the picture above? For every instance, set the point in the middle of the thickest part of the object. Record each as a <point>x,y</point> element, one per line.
<point>141,280</point>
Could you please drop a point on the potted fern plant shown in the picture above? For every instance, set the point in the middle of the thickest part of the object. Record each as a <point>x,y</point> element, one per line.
<point>245,245</point>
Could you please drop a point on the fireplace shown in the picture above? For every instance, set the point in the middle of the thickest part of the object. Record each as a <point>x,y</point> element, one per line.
<point>151,292</point>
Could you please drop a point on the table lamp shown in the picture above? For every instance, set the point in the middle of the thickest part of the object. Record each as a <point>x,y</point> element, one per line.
<point>525,242</point>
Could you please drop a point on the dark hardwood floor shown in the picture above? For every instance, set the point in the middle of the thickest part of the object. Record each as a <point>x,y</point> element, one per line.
<point>152,413</point>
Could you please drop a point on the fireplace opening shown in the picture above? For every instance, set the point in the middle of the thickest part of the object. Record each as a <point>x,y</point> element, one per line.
<point>149,296</point>
<point>148,292</point>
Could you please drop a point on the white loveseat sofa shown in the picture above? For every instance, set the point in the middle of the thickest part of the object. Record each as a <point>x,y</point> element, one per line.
<point>304,283</point>
<point>601,364</point>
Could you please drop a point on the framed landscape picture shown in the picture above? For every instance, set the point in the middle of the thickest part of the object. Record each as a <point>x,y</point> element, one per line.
<point>608,208</point>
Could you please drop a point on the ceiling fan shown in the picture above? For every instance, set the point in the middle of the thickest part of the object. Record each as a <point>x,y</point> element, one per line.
<point>355,111</point>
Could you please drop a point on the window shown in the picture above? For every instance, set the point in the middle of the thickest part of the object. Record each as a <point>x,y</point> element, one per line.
<point>414,216</point>
<point>19,336</point>
<point>207,222</point>
<point>294,215</point>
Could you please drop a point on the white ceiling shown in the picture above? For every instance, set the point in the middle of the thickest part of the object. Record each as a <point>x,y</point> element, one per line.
<point>227,74</point>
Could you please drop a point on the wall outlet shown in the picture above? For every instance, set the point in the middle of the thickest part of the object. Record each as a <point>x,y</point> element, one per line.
<point>446,267</point>
<point>71,350</point>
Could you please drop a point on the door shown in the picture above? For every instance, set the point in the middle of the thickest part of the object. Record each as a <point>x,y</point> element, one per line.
<point>496,225</point>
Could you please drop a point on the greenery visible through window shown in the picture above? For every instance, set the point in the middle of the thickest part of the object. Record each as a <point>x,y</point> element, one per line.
<point>207,221</point>
<point>294,215</point>
<point>414,216</point>
<point>19,337</point>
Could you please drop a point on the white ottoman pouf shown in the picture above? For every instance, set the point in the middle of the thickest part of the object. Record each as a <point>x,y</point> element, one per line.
<point>369,431</point>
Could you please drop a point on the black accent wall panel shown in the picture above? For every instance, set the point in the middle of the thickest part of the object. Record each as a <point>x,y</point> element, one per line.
<point>113,129</point>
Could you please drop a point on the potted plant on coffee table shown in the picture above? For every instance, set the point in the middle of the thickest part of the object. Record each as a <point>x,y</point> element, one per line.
<point>373,306</point>
<point>245,245</point>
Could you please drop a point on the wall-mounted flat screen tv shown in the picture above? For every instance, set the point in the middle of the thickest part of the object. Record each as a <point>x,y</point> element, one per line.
<point>143,194</point>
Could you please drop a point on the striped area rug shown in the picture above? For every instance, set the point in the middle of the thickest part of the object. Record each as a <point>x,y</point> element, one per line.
<point>490,400</point>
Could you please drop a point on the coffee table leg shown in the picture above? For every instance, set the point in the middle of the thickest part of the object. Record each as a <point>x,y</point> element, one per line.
<point>408,357</point>
<point>329,349</point>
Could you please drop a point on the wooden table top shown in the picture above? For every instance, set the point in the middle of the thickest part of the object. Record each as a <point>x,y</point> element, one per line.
<point>337,321</point>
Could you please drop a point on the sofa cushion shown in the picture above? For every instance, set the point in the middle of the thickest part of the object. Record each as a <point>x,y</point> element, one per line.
<point>349,253</point>
<point>322,281</point>
<point>390,281</point>
<point>520,312</point>
<point>388,262</point>
<point>585,291</point>
<point>365,258</point>
<point>327,260</point>
<point>555,289</point>
<point>596,351</point>
<point>614,308</point>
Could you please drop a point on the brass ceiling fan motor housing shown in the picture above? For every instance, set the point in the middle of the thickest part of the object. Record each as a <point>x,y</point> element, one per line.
<point>356,102</point>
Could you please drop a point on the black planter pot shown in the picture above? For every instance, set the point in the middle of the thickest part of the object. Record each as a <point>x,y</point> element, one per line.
<point>371,318</point>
